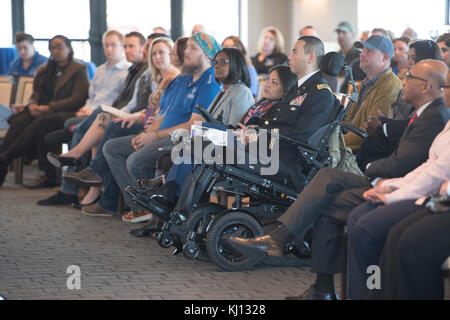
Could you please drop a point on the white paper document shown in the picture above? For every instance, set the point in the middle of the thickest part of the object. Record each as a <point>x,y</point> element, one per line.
<point>218,137</point>
<point>116,112</point>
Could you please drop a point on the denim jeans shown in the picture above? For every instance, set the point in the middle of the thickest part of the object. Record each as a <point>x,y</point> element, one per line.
<point>78,135</point>
<point>113,130</point>
<point>128,165</point>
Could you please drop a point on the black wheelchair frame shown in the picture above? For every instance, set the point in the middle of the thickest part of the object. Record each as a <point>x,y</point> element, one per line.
<point>201,229</point>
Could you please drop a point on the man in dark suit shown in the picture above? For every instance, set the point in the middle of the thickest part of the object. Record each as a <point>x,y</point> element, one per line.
<point>332,194</point>
<point>384,133</point>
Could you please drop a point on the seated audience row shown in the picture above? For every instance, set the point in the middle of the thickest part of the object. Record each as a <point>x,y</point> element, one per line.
<point>407,121</point>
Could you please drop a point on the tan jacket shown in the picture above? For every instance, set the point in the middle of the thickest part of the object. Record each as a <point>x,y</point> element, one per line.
<point>379,97</point>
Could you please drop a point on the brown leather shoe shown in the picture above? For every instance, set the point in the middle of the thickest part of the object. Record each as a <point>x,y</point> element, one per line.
<point>258,247</point>
<point>85,178</point>
<point>96,211</point>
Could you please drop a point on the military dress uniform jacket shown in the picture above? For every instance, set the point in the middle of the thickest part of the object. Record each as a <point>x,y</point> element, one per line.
<point>302,112</point>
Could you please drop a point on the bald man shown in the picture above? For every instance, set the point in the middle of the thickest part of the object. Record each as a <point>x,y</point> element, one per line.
<point>198,28</point>
<point>308,31</point>
<point>394,199</point>
<point>326,202</point>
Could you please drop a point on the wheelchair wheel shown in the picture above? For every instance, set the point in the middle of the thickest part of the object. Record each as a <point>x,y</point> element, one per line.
<point>198,221</point>
<point>229,224</point>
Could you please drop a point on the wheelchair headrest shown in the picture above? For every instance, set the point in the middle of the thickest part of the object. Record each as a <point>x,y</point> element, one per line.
<point>332,63</point>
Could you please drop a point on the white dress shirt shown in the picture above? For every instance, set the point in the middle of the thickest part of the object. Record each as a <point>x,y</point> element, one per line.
<point>107,84</point>
<point>426,179</point>
<point>309,75</point>
<point>418,112</point>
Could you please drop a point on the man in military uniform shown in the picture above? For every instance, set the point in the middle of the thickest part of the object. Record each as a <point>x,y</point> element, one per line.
<point>307,106</point>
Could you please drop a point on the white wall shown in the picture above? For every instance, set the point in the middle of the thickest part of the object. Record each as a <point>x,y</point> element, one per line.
<point>324,15</point>
<point>291,15</point>
<point>263,13</point>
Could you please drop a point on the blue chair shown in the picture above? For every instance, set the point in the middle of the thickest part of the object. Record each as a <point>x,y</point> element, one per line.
<point>6,56</point>
<point>92,67</point>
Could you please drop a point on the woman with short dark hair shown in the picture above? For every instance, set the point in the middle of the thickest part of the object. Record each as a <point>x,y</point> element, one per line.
<point>230,70</point>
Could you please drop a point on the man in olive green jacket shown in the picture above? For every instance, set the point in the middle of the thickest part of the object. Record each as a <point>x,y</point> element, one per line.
<point>378,91</point>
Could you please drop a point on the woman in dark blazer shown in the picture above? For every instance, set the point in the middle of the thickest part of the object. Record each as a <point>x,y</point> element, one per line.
<point>60,88</point>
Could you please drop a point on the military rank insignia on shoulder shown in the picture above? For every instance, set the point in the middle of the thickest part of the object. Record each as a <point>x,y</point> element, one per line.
<point>298,101</point>
<point>323,86</point>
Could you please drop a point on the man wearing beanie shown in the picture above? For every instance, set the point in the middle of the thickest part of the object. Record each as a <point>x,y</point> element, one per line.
<point>134,157</point>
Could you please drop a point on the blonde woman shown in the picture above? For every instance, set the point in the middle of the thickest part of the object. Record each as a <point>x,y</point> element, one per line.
<point>270,47</point>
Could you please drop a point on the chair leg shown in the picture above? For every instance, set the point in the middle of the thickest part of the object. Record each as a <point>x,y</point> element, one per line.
<point>120,204</point>
<point>18,170</point>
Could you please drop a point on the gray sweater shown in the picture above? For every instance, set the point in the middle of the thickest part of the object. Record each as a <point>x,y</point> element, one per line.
<point>229,106</point>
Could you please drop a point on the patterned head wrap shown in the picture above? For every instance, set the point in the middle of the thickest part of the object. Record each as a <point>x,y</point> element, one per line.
<point>207,43</point>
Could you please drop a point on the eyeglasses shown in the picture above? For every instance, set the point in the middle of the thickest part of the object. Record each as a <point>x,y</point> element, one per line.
<point>220,62</point>
<point>410,76</point>
<point>58,46</point>
<point>444,87</point>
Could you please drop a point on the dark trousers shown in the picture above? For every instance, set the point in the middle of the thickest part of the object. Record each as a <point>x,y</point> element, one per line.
<point>372,149</point>
<point>324,205</point>
<point>367,228</point>
<point>413,254</point>
<point>26,136</point>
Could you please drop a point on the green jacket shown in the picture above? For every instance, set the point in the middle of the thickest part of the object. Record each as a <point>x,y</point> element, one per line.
<point>379,97</point>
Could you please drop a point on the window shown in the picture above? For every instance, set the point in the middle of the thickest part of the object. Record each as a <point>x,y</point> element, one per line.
<point>71,17</point>
<point>220,18</point>
<point>427,18</point>
<point>5,23</point>
<point>138,15</point>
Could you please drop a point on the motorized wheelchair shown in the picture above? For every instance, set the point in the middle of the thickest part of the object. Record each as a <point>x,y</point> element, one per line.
<point>200,229</point>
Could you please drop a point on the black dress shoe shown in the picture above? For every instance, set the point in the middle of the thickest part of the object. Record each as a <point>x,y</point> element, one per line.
<point>59,162</point>
<point>59,199</point>
<point>154,225</point>
<point>3,173</point>
<point>78,205</point>
<point>3,160</point>
<point>312,294</point>
<point>42,182</point>
<point>58,137</point>
<point>263,248</point>
<point>85,178</point>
